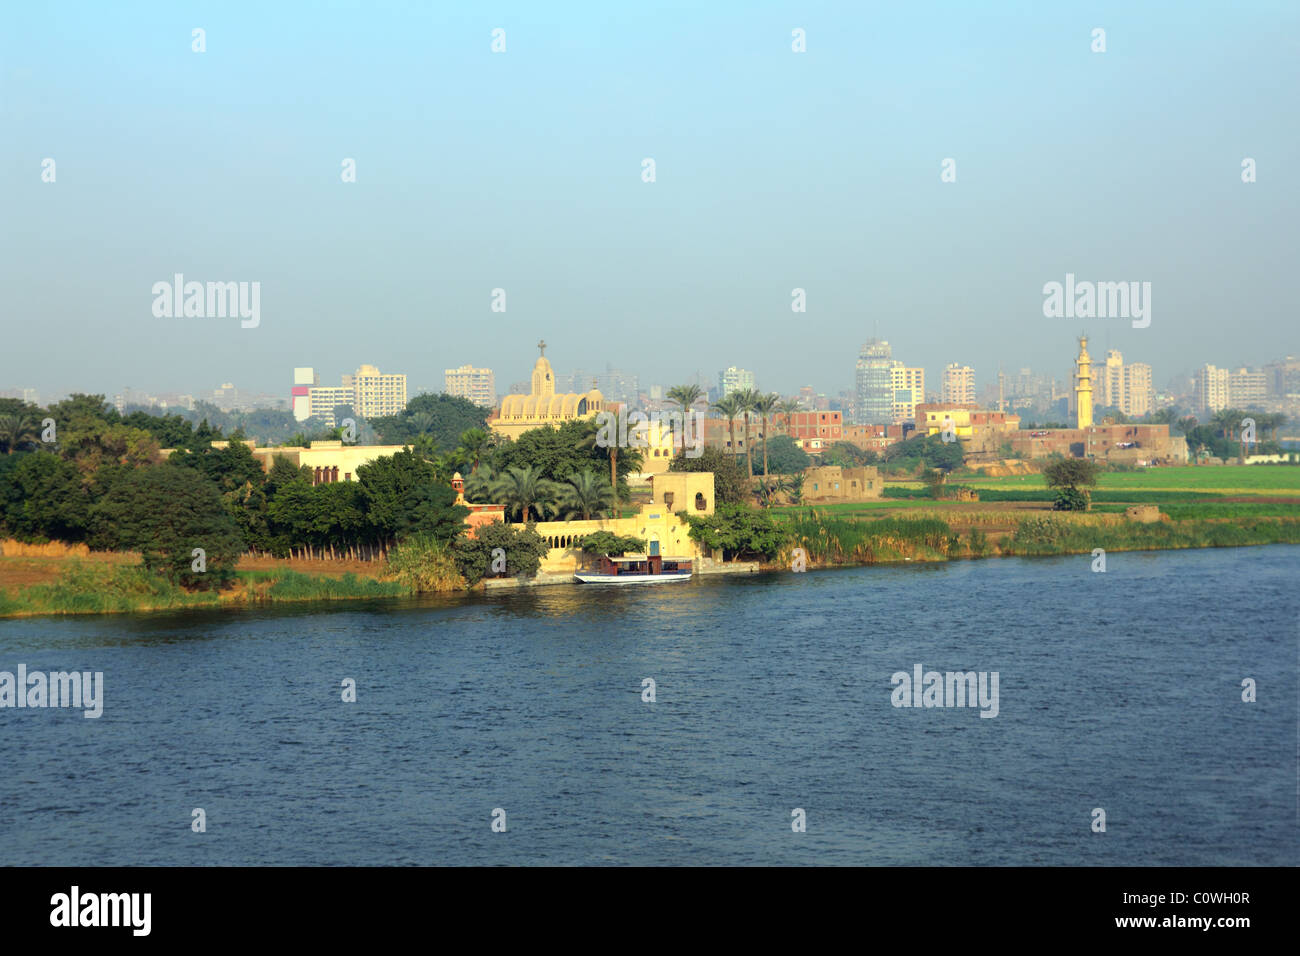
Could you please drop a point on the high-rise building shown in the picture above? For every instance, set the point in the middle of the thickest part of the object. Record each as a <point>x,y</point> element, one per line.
<point>304,379</point>
<point>908,385</point>
<point>323,399</point>
<point>375,393</point>
<point>1109,383</point>
<point>1210,390</point>
<point>874,384</point>
<point>1139,395</point>
<point>958,385</point>
<point>1126,387</point>
<point>735,380</point>
<point>1247,388</point>
<point>369,392</point>
<point>478,385</point>
<point>1283,378</point>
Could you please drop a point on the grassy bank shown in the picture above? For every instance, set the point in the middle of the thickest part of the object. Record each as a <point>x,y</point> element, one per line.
<point>829,539</point>
<point>87,587</point>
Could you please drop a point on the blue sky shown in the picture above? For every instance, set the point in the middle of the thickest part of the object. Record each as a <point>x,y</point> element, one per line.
<point>522,171</point>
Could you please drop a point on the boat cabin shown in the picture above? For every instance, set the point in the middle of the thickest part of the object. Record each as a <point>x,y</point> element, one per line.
<point>642,564</point>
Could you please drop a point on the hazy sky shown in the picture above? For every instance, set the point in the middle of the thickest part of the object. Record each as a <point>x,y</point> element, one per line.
<point>522,170</point>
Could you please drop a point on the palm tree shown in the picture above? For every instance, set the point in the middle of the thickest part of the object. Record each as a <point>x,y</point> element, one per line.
<point>474,444</point>
<point>589,443</point>
<point>16,430</point>
<point>585,494</point>
<point>730,407</point>
<point>788,409</point>
<point>764,406</point>
<point>523,490</point>
<point>686,396</point>
<point>792,485</point>
<point>1185,425</point>
<point>1225,419</point>
<point>1275,421</point>
<point>479,485</point>
<point>747,399</point>
<point>422,423</point>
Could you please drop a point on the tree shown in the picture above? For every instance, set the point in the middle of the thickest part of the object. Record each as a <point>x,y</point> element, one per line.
<point>605,543</point>
<point>474,444</point>
<point>764,406</point>
<point>685,396</point>
<point>792,485</point>
<point>17,430</point>
<point>42,498</point>
<point>1070,477</point>
<point>848,455</point>
<point>729,406</point>
<point>228,468</point>
<point>524,490</point>
<point>585,494</point>
<point>934,480</point>
<point>450,416</point>
<point>523,547</point>
<point>403,496</point>
<point>786,456</point>
<point>747,400</point>
<point>556,453</point>
<point>737,530</point>
<point>165,514</point>
<point>729,484</point>
<point>789,408</point>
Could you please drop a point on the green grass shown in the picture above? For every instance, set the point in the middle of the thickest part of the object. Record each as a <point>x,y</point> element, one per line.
<point>1065,534</point>
<point>95,588</point>
<point>1238,479</point>
<point>839,540</point>
<point>1042,493</point>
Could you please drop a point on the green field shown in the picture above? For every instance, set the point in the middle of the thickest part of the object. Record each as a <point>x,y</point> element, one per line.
<point>1281,480</point>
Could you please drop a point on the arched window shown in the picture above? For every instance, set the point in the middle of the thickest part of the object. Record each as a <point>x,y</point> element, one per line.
<point>699,501</point>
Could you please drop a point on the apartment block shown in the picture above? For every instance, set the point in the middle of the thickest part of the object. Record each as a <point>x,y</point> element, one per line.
<point>958,385</point>
<point>478,385</point>
<point>908,385</point>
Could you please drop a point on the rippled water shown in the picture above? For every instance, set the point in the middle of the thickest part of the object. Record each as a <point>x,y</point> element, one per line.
<point>1119,690</point>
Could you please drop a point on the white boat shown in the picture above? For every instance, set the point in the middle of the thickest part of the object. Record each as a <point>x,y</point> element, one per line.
<point>637,569</point>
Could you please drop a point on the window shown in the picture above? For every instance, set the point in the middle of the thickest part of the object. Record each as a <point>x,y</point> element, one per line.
<point>699,501</point>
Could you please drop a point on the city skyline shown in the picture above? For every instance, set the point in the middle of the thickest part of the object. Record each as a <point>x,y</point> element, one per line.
<point>761,190</point>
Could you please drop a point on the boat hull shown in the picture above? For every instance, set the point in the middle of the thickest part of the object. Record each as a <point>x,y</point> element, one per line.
<point>619,580</point>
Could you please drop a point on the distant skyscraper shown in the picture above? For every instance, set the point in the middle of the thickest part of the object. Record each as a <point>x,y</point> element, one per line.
<point>303,381</point>
<point>958,385</point>
<point>369,392</point>
<point>476,384</point>
<point>1139,395</point>
<point>874,383</point>
<point>1210,390</point>
<point>908,384</point>
<point>735,380</point>
<point>375,393</point>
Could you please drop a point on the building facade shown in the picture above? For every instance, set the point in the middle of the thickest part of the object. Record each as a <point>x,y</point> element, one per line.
<point>735,379</point>
<point>908,385</point>
<point>874,384</point>
<point>478,385</point>
<point>958,385</point>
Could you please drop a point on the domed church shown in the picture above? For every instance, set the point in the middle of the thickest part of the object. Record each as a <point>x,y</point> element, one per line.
<point>543,405</point>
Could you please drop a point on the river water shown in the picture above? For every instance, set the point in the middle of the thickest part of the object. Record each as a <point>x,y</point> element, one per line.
<point>1119,690</point>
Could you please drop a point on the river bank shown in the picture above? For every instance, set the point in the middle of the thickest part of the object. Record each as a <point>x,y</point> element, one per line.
<point>108,584</point>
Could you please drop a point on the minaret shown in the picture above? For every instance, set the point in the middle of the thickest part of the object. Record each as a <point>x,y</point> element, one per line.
<point>1083,386</point>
